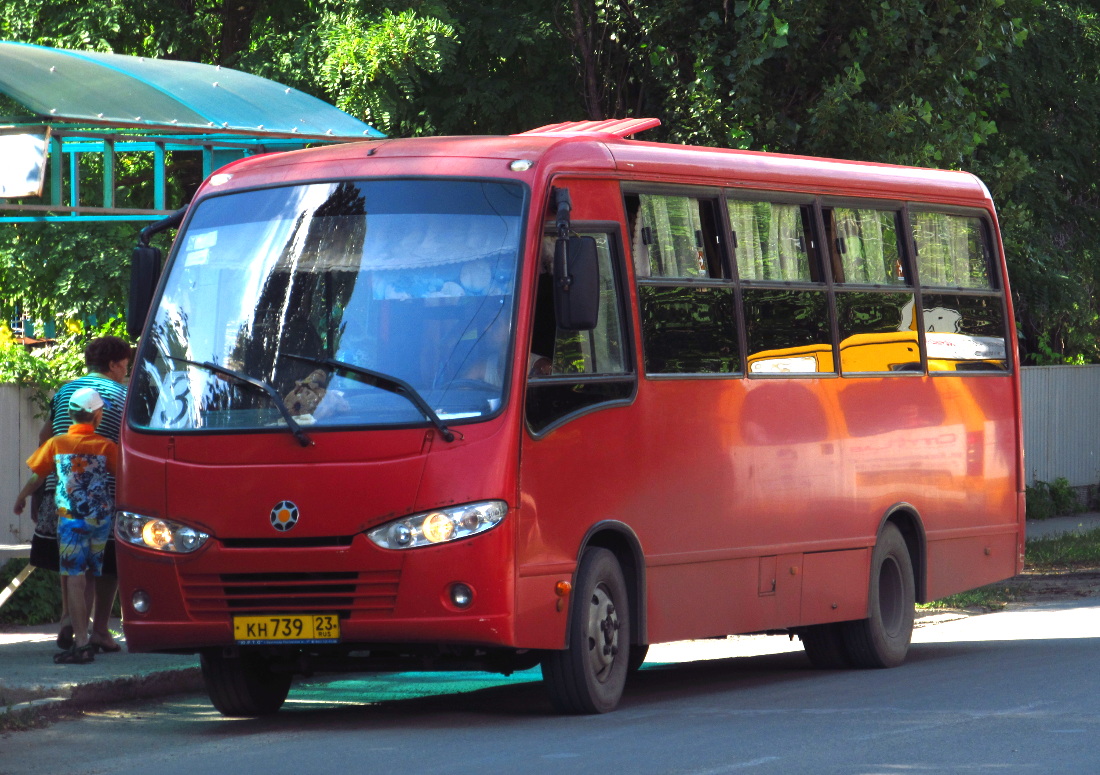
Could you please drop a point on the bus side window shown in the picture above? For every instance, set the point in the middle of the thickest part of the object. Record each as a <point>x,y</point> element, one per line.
<point>773,241</point>
<point>877,333</point>
<point>952,251</point>
<point>864,245</point>
<point>569,371</point>
<point>964,332</point>
<point>689,329</point>
<point>873,301</point>
<point>964,319</point>
<point>674,236</point>
<point>786,304</point>
<point>788,331</point>
<point>544,327</point>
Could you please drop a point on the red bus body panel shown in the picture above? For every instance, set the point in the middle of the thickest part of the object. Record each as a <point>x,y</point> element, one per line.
<point>754,503</point>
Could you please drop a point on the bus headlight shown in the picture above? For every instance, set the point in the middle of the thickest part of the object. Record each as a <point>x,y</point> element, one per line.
<point>439,525</point>
<point>162,535</point>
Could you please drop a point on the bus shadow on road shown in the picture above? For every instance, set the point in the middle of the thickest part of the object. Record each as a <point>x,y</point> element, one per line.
<point>458,701</point>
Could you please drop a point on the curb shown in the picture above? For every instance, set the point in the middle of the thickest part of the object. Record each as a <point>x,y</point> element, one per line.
<point>140,687</point>
<point>940,617</point>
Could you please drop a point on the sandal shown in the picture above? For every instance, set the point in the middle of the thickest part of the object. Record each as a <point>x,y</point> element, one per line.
<point>65,637</point>
<point>76,655</point>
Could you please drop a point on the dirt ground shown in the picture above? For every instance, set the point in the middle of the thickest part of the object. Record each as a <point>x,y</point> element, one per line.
<point>1056,585</point>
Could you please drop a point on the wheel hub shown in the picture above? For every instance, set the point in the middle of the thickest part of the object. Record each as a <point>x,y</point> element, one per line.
<point>603,632</point>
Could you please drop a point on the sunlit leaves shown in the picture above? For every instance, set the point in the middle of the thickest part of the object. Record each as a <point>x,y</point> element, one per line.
<point>375,67</point>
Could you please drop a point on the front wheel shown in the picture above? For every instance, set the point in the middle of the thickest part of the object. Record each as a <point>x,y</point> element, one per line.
<point>244,685</point>
<point>882,639</point>
<point>589,675</point>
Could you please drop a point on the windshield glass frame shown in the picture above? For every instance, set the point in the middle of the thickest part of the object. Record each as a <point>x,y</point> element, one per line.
<point>196,379</point>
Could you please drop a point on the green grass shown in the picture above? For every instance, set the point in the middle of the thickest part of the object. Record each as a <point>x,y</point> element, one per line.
<point>989,598</point>
<point>1064,552</point>
<point>21,720</point>
<point>38,599</point>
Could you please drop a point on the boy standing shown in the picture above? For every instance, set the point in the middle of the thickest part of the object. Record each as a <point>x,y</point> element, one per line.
<point>83,462</point>
<point>108,360</point>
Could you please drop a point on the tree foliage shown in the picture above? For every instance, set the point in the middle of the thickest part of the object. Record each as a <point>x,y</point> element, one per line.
<point>375,67</point>
<point>1009,89</point>
<point>904,81</point>
<point>1043,169</point>
<point>45,369</point>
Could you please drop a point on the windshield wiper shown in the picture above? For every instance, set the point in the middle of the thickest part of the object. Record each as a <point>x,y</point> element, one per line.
<point>291,423</point>
<point>384,382</point>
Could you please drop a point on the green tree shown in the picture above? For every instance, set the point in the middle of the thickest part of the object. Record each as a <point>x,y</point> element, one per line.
<point>376,68</point>
<point>60,271</point>
<point>905,81</point>
<point>1043,169</point>
<point>1006,88</point>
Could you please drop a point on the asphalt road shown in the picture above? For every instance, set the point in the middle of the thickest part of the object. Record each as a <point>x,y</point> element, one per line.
<point>1011,692</point>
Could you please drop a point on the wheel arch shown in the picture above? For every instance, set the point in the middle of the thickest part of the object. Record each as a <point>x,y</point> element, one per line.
<point>623,542</point>
<point>907,519</point>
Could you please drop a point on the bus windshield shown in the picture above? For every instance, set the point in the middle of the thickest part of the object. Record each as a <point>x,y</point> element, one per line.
<point>303,290</point>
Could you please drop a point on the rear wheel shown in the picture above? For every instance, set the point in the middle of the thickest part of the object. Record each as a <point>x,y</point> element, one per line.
<point>882,639</point>
<point>824,644</point>
<point>589,675</point>
<point>244,685</point>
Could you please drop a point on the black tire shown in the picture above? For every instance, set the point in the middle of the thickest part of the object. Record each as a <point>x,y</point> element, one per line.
<point>589,675</point>
<point>824,644</point>
<point>244,685</point>
<point>882,639</point>
<point>638,653</point>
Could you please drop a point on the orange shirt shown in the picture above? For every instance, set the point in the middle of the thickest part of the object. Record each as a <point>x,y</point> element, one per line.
<point>80,440</point>
<point>84,463</point>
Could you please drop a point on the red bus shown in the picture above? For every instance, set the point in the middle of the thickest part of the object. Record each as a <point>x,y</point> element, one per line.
<point>498,402</point>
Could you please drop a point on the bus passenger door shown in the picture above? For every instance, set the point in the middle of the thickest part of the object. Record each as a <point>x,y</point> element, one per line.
<point>573,470</point>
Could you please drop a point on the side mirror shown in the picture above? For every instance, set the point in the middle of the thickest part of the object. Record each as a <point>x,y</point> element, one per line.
<point>576,283</point>
<point>144,273</point>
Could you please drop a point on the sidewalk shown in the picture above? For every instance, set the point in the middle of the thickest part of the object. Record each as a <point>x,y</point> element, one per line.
<point>29,679</point>
<point>1077,523</point>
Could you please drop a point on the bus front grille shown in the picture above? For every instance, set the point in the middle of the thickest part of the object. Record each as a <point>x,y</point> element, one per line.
<point>349,594</point>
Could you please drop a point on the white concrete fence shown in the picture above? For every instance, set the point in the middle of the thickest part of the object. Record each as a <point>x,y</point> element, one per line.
<point>1061,406</point>
<point>18,439</point>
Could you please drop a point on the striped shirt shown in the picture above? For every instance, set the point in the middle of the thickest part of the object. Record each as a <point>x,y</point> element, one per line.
<point>114,397</point>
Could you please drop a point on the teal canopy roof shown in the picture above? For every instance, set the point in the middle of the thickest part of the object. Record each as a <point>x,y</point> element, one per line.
<point>160,95</point>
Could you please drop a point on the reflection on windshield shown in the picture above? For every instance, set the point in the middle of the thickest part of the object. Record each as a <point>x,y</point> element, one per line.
<point>413,280</point>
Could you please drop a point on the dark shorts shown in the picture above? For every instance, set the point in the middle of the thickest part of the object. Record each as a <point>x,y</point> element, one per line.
<point>45,555</point>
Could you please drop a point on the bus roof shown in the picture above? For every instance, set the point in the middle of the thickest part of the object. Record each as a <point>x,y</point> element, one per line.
<point>586,150</point>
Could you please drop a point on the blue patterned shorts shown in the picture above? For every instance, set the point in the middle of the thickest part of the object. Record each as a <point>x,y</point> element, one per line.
<point>80,545</point>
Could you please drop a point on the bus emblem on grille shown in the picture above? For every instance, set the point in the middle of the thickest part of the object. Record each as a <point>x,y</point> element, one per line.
<point>284,516</point>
